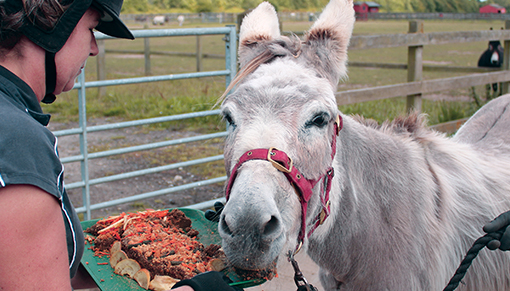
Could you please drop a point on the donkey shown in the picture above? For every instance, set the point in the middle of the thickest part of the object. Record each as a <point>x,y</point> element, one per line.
<point>377,207</point>
<point>492,57</point>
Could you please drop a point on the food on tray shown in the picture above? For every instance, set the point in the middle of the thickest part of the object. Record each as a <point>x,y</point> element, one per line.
<point>116,257</point>
<point>127,267</point>
<point>116,246</point>
<point>143,278</point>
<point>157,245</point>
<point>162,283</point>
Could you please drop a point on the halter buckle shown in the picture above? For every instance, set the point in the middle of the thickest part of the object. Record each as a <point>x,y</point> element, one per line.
<point>277,165</point>
<point>339,124</point>
<point>322,215</point>
<point>298,248</point>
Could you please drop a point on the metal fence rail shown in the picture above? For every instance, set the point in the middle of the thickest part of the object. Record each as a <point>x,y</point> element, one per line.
<point>84,157</point>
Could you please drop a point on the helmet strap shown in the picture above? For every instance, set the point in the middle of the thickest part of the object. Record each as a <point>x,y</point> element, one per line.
<point>51,78</point>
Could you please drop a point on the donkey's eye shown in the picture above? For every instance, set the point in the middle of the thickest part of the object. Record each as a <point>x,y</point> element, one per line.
<point>319,120</point>
<point>229,120</point>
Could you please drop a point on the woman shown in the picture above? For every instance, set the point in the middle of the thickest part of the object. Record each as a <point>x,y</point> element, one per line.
<point>43,48</point>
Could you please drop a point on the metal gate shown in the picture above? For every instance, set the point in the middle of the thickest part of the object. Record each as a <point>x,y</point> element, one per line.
<point>84,157</point>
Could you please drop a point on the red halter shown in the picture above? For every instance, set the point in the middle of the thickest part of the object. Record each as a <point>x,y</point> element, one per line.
<point>281,161</point>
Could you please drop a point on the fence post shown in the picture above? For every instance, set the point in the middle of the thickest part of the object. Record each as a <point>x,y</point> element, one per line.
<point>199,54</point>
<point>101,66</point>
<point>506,60</point>
<point>147,53</point>
<point>415,66</point>
<point>230,55</point>
<point>84,163</point>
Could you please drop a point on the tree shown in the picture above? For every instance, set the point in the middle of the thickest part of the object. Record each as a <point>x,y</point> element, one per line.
<point>250,4</point>
<point>135,6</point>
<point>299,4</point>
<point>393,5</point>
<point>182,4</point>
<point>162,4</point>
<point>204,6</point>
<point>233,3</point>
<point>504,3</point>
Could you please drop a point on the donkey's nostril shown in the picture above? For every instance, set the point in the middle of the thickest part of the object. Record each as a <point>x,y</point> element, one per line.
<point>271,226</point>
<point>224,225</point>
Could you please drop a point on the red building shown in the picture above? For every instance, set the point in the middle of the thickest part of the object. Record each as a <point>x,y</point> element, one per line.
<point>366,7</point>
<point>492,8</point>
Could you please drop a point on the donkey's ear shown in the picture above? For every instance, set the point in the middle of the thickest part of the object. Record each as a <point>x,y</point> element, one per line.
<point>258,26</point>
<point>327,41</point>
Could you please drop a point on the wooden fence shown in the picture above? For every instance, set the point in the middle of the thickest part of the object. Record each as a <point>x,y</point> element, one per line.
<point>415,40</point>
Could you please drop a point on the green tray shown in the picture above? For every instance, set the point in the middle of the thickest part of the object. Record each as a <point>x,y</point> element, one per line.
<point>107,280</point>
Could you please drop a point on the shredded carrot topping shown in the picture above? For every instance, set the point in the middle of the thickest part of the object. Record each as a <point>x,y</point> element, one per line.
<point>163,242</point>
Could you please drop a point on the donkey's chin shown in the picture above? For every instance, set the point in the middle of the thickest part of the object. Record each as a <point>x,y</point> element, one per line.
<point>249,254</point>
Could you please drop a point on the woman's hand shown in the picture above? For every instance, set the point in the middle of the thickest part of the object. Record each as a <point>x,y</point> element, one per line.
<point>208,281</point>
<point>500,222</point>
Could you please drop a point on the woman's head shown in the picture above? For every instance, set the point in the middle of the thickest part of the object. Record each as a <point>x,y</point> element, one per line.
<point>50,24</point>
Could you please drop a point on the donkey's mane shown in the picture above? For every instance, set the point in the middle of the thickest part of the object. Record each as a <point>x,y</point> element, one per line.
<point>412,125</point>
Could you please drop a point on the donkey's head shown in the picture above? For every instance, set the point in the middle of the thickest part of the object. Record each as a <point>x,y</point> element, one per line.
<point>284,99</point>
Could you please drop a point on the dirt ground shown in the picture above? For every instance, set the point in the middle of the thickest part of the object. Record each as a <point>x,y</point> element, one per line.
<point>118,138</point>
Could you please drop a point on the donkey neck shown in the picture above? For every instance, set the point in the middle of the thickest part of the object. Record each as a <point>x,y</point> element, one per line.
<point>373,170</point>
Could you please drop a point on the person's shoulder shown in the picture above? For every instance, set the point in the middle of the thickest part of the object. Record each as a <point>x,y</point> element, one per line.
<point>18,128</point>
<point>28,149</point>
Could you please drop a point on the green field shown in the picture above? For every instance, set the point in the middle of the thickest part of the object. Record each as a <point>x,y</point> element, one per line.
<point>131,102</point>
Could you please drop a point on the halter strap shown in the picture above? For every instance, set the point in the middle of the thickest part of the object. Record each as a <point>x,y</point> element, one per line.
<point>51,78</point>
<point>303,187</point>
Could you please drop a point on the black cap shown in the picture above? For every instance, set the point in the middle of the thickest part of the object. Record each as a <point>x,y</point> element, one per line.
<point>110,23</point>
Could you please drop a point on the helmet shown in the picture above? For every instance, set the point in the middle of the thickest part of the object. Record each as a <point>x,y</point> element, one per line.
<point>110,22</point>
<point>52,40</point>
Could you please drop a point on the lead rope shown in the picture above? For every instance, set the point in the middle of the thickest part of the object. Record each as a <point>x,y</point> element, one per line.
<point>300,280</point>
<point>471,254</point>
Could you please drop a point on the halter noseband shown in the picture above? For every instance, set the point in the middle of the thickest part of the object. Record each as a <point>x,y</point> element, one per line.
<point>283,163</point>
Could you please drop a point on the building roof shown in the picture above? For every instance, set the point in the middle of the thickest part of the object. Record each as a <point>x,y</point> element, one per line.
<point>369,3</point>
